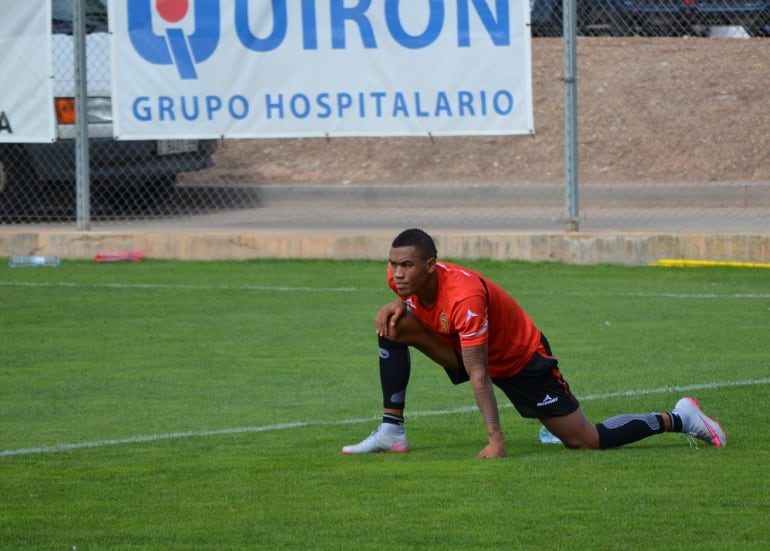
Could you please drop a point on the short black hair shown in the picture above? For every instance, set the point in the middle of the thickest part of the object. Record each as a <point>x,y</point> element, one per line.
<point>421,241</point>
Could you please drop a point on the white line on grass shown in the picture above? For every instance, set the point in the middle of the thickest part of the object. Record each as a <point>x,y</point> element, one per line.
<point>271,288</point>
<point>177,286</point>
<point>300,424</point>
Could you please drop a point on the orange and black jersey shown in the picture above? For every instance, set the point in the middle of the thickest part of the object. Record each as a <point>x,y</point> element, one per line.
<point>470,310</point>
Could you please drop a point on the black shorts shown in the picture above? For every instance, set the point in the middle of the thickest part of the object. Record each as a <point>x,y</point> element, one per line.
<point>538,391</point>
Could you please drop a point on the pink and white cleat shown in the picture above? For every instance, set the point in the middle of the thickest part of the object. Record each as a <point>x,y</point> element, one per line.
<point>385,438</point>
<point>698,424</point>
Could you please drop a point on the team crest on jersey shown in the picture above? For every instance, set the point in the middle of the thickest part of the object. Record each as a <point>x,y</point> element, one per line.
<point>444,319</point>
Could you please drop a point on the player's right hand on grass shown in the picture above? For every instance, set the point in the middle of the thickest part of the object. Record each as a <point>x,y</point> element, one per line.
<point>495,449</point>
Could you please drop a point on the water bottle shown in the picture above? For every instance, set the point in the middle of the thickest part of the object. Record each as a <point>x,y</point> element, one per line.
<point>547,438</point>
<point>33,261</point>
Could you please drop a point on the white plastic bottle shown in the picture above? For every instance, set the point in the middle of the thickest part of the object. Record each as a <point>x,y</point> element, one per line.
<point>33,261</point>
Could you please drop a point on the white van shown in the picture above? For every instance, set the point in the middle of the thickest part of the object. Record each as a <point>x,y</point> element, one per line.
<point>28,169</point>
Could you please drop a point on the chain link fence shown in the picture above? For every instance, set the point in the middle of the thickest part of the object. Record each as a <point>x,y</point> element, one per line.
<point>641,165</point>
<point>658,18</point>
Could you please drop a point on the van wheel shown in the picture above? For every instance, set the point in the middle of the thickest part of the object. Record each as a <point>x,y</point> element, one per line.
<point>19,185</point>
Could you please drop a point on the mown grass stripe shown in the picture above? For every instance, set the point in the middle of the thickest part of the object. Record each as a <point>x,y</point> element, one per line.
<point>301,424</point>
<point>289,289</point>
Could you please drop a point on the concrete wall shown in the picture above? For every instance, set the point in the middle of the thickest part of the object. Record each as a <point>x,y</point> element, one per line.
<point>573,248</point>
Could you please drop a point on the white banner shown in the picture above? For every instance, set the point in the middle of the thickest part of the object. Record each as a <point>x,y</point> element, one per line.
<point>303,68</point>
<point>26,92</point>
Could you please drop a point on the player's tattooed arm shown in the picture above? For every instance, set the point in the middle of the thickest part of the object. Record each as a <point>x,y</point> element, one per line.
<point>475,360</point>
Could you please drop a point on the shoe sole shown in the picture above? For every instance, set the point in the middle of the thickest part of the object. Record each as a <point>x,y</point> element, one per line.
<point>708,421</point>
<point>398,447</point>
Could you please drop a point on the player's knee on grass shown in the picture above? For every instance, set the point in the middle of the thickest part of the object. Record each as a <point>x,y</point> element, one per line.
<point>575,431</point>
<point>581,442</point>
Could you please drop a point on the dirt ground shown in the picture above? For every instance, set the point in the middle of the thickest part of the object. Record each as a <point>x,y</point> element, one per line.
<point>660,110</point>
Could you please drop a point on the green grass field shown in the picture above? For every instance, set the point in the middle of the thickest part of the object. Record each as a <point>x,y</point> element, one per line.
<point>181,405</point>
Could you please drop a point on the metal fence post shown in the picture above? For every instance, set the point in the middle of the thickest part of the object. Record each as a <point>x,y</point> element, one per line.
<point>570,116</point>
<point>82,174</point>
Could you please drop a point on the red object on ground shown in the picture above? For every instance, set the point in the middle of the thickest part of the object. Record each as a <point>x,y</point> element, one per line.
<point>128,256</point>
